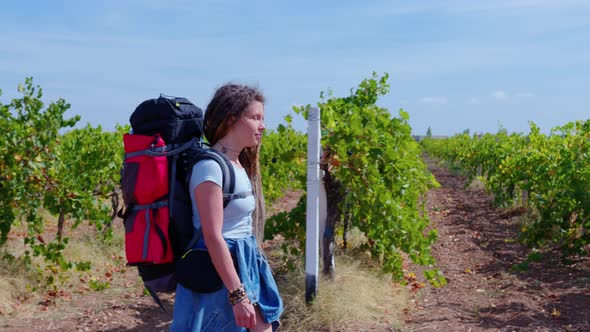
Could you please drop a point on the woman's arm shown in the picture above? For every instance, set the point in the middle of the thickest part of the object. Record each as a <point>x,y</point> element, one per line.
<point>209,200</point>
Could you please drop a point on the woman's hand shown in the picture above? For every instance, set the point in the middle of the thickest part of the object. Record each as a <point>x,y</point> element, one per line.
<point>245,314</point>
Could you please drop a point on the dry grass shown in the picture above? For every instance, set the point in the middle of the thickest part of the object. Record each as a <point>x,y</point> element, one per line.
<point>477,184</point>
<point>359,298</point>
<point>14,279</point>
<point>356,300</point>
<point>89,248</point>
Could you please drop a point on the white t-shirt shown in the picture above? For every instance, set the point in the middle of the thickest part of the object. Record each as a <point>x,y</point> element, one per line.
<point>237,216</point>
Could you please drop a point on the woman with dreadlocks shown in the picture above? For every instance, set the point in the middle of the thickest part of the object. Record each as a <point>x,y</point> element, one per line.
<point>249,298</point>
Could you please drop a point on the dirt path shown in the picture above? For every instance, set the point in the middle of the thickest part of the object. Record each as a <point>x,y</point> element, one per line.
<point>119,308</point>
<point>477,253</point>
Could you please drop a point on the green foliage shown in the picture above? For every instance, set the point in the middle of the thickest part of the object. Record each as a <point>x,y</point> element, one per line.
<point>282,160</point>
<point>27,150</point>
<point>96,285</point>
<point>84,175</point>
<point>70,175</point>
<point>291,226</point>
<point>374,156</point>
<point>553,169</point>
<point>435,277</point>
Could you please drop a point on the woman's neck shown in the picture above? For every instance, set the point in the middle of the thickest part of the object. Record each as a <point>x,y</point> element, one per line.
<point>231,152</point>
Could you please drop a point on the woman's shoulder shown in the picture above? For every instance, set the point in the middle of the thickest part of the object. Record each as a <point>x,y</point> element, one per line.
<point>204,170</point>
<point>207,163</point>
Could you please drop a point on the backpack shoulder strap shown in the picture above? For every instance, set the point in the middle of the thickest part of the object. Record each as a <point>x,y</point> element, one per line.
<point>228,178</point>
<point>229,181</point>
<point>228,174</point>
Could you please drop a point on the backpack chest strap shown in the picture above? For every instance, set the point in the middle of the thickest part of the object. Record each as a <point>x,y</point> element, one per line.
<point>244,194</point>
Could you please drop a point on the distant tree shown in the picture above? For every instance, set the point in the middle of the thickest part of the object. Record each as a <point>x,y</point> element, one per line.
<point>429,132</point>
<point>466,131</point>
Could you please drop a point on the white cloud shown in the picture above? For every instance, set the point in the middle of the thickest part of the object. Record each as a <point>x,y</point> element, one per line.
<point>473,101</point>
<point>525,94</point>
<point>433,100</point>
<point>499,95</point>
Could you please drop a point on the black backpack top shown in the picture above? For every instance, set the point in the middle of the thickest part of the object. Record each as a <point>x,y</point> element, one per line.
<point>176,119</point>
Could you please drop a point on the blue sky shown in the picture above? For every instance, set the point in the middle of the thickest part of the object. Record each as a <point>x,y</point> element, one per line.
<point>453,65</point>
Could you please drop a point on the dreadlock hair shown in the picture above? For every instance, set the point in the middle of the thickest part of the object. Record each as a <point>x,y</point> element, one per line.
<point>225,108</point>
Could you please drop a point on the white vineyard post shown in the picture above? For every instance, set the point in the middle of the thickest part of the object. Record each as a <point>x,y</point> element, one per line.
<point>313,188</point>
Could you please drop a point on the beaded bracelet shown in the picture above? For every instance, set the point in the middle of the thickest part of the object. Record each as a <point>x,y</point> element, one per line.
<point>238,295</point>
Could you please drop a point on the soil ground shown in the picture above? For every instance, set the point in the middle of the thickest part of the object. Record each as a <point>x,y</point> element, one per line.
<point>476,251</point>
<point>486,290</point>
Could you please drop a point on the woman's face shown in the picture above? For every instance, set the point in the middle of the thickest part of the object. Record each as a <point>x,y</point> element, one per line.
<point>249,127</point>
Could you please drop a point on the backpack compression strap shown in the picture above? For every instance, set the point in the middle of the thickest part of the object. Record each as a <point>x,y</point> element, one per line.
<point>152,209</point>
<point>163,151</point>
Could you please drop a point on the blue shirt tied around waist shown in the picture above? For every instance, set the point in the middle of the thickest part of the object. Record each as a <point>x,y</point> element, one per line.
<point>212,311</point>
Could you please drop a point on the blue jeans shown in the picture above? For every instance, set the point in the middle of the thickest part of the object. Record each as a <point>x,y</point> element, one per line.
<point>212,311</point>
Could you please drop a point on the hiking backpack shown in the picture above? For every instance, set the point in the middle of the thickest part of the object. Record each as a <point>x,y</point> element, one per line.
<point>160,152</point>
